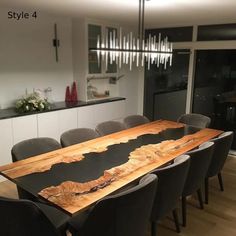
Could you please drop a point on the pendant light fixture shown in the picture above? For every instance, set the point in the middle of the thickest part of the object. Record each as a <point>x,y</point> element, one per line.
<point>127,49</point>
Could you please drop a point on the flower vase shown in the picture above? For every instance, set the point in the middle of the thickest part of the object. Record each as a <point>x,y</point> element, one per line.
<point>74,96</point>
<point>68,95</point>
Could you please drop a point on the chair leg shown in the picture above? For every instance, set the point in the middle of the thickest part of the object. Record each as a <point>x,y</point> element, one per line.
<point>153,228</point>
<point>199,194</point>
<point>220,182</point>
<point>176,219</point>
<point>184,211</point>
<point>72,231</point>
<point>206,190</point>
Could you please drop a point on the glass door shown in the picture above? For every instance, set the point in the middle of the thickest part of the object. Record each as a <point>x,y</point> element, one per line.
<point>215,88</point>
<point>166,90</point>
<point>94,65</point>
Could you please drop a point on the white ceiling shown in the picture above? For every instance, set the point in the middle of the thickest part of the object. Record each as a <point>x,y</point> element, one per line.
<point>158,12</point>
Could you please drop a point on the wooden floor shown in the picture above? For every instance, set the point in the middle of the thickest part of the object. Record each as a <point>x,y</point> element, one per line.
<point>217,219</point>
<point>219,216</point>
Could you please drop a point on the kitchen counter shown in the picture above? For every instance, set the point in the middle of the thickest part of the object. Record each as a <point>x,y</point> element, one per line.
<point>11,112</point>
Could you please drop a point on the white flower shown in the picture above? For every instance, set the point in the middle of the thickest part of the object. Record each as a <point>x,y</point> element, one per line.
<point>41,105</point>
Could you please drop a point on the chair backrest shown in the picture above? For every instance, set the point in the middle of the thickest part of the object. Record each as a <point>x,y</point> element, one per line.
<point>75,136</point>
<point>135,120</point>
<point>109,127</point>
<point>171,180</point>
<point>33,147</point>
<point>221,151</point>
<point>124,214</point>
<point>24,218</point>
<point>193,119</point>
<point>199,163</point>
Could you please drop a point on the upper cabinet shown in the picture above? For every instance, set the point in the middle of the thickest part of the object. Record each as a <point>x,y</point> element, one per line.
<point>94,63</point>
<point>97,78</point>
<point>97,65</point>
<point>111,67</point>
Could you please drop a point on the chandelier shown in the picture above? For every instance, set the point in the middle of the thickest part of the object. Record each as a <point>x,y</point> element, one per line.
<point>130,50</point>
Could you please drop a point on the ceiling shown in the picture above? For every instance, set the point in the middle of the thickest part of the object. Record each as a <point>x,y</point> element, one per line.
<point>157,12</point>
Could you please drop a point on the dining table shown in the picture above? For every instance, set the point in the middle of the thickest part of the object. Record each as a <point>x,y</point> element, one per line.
<point>76,177</point>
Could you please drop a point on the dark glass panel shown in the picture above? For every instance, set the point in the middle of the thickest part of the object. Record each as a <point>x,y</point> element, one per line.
<point>215,87</point>
<point>216,32</point>
<point>94,31</point>
<point>165,89</point>
<point>179,34</point>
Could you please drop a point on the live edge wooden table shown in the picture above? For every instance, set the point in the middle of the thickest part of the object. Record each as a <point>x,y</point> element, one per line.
<point>76,177</point>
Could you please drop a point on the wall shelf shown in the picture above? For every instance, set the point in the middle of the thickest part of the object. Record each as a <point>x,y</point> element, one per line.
<point>115,78</point>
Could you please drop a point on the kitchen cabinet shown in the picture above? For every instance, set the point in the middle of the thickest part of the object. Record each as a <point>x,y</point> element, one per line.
<point>90,116</point>
<point>86,117</point>
<point>89,71</point>
<point>6,142</point>
<point>67,119</point>
<point>24,127</point>
<point>48,125</point>
<point>53,124</point>
<point>97,65</point>
<point>109,111</point>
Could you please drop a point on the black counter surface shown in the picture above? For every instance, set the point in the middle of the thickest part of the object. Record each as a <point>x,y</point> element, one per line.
<point>11,112</point>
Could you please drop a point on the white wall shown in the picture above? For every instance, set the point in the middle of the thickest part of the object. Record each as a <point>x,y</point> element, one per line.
<point>27,57</point>
<point>27,60</point>
<point>79,55</point>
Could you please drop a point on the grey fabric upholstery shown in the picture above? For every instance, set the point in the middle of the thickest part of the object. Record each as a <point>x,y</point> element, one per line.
<point>220,154</point>
<point>75,136</point>
<point>123,214</point>
<point>199,164</point>
<point>25,218</point>
<point>135,120</point>
<point>109,127</point>
<point>171,180</point>
<point>29,148</point>
<point>196,120</point>
<point>33,147</point>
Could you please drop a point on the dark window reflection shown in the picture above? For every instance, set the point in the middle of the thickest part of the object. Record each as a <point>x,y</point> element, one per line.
<point>165,89</point>
<point>215,87</point>
<point>177,34</point>
<point>216,32</point>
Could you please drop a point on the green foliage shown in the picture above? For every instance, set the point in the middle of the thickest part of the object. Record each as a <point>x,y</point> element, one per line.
<point>32,102</point>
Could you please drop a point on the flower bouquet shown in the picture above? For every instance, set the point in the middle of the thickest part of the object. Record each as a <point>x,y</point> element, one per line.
<point>32,102</point>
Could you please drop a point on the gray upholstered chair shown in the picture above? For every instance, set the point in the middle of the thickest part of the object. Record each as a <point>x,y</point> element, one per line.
<point>124,214</point>
<point>220,154</point>
<point>33,147</point>
<point>109,127</point>
<point>135,120</point>
<point>196,120</point>
<point>199,163</point>
<point>29,148</point>
<point>171,180</point>
<point>24,217</point>
<point>75,136</point>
